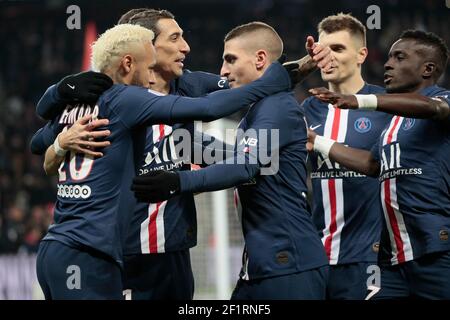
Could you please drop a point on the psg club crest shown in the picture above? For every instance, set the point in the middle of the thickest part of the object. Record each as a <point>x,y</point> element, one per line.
<point>408,123</point>
<point>363,125</point>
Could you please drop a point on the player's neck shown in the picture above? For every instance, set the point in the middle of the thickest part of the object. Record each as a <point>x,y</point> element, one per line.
<point>350,86</point>
<point>424,84</point>
<point>161,85</point>
<point>117,78</point>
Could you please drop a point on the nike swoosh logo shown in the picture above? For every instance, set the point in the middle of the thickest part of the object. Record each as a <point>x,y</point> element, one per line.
<point>314,128</point>
<point>71,87</point>
<point>172,191</point>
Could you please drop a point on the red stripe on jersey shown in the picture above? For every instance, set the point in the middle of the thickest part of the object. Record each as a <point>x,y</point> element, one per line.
<point>161,131</point>
<point>393,221</point>
<point>332,186</point>
<point>335,127</point>
<point>333,224</point>
<point>391,132</point>
<point>152,230</point>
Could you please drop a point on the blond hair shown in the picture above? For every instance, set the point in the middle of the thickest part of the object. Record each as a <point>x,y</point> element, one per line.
<point>114,43</point>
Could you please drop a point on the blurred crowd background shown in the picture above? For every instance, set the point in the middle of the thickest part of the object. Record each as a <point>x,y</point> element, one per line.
<point>37,50</point>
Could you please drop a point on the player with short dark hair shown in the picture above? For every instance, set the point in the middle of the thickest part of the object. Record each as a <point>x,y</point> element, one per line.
<point>161,234</point>
<point>346,208</point>
<point>283,256</point>
<point>411,159</point>
<point>92,212</point>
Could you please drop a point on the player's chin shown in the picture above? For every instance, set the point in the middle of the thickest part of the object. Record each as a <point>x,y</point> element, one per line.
<point>328,77</point>
<point>178,71</point>
<point>233,84</point>
<point>389,88</point>
<point>392,87</point>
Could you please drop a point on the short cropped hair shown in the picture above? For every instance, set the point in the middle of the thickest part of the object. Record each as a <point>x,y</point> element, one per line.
<point>343,21</point>
<point>437,44</point>
<point>115,42</point>
<point>268,38</point>
<point>147,18</point>
<point>127,15</point>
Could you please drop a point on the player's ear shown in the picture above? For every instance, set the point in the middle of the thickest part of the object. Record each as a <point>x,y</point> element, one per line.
<point>429,68</point>
<point>125,63</point>
<point>262,59</point>
<point>362,55</point>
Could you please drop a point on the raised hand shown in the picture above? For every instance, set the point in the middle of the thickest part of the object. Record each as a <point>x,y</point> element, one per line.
<point>84,86</point>
<point>156,186</point>
<point>80,137</point>
<point>342,101</point>
<point>319,53</point>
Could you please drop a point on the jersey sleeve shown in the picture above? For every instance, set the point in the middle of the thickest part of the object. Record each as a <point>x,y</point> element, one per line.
<point>44,137</point>
<point>139,106</point>
<point>50,104</point>
<point>375,150</point>
<point>305,107</point>
<point>198,83</point>
<point>258,147</point>
<point>212,146</point>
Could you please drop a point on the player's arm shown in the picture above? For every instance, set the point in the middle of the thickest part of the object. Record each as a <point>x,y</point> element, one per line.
<point>199,83</point>
<point>211,146</point>
<point>140,107</point>
<point>358,160</point>
<point>161,185</point>
<point>318,57</point>
<point>410,105</point>
<point>82,87</point>
<point>80,138</point>
<point>243,167</point>
<point>44,137</point>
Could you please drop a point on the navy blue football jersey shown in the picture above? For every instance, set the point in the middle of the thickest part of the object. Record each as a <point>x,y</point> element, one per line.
<point>169,225</point>
<point>269,170</point>
<point>162,227</point>
<point>94,203</point>
<point>414,157</point>
<point>346,207</point>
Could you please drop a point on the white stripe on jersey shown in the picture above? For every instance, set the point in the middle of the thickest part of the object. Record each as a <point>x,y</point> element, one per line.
<point>338,192</point>
<point>392,124</point>
<point>343,124</point>
<point>388,224</point>
<point>336,241</point>
<point>407,248</point>
<point>158,221</point>
<point>145,243</point>
<point>395,224</point>
<point>160,231</point>
<point>326,209</point>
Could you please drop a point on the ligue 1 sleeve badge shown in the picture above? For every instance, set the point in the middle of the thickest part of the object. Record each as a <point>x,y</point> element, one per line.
<point>363,125</point>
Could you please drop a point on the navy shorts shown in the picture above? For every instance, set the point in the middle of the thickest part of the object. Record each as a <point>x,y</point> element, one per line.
<point>68,273</point>
<point>160,276</point>
<point>425,278</point>
<point>348,281</point>
<point>306,285</point>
